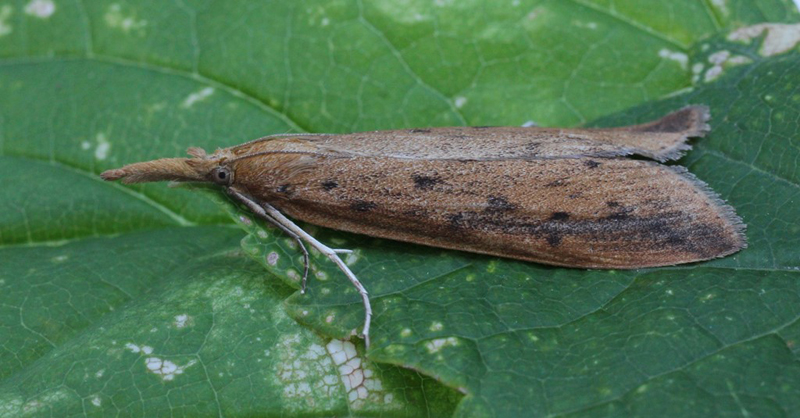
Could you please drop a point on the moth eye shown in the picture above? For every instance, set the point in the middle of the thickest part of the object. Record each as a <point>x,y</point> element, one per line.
<point>222,175</point>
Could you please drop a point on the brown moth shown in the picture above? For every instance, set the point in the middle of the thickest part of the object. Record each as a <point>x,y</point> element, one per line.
<point>565,197</point>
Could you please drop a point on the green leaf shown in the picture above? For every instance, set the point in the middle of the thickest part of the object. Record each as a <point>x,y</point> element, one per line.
<point>196,334</point>
<point>139,300</point>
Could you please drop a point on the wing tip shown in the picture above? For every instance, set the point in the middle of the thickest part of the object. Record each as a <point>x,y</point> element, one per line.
<point>736,238</point>
<point>687,122</point>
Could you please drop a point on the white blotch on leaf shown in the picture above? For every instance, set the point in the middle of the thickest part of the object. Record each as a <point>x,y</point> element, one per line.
<point>10,405</point>
<point>352,257</point>
<point>103,146</point>
<point>146,349</point>
<point>5,14</point>
<point>181,320</point>
<point>434,346</point>
<point>115,19</point>
<point>679,57</point>
<point>85,145</point>
<point>358,379</point>
<point>100,373</point>
<point>780,37</point>
<point>42,9</point>
<point>460,101</point>
<point>60,258</point>
<point>406,332</point>
<point>329,318</point>
<point>43,402</point>
<point>197,96</point>
<point>719,61</point>
<point>96,400</point>
<point>165,368</point>
<point>305,372</point>
<point>436,326</point>
<point>697,69</point>
<point>272,258</point>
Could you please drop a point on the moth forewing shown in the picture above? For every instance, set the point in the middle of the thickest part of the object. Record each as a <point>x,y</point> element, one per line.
<point>564,197</point>
<point>594,213</point>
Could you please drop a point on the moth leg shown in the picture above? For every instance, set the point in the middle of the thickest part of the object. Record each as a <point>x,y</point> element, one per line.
<point>256,208</point>
<point>271,214</point>
<point>302,247</point>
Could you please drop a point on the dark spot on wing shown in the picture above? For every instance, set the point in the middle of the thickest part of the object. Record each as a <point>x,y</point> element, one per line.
<point>284,188</point>
<point>499,204</point>
<point>612,204</point>
<point>422,182</point>
<point>559,216</point>
<point>591,163</point>
<point>554,240</point>
<point>363,206</point>
<point>329,185</point>
<point>456,220</point>
<point>532,146</point>
<point>675,240</point>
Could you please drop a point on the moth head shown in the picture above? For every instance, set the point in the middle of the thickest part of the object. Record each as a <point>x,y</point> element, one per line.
<point>201,167</point>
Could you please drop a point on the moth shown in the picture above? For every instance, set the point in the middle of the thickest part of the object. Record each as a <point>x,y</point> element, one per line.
<point>564,197</point>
